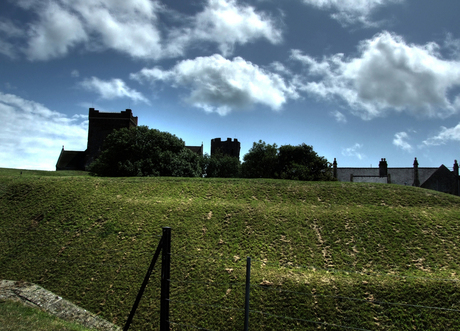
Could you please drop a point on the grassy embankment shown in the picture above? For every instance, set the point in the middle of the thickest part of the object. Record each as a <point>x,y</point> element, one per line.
<point>15,316</point>
<point>322,252</point>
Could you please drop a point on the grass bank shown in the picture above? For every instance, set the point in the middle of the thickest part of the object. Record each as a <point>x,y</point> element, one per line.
<point>369,256</point>
<point>15,316</point>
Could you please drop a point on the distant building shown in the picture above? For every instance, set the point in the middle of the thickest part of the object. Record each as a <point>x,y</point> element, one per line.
<point>228,147</point>
<point>196,149</point>
<point>99,127</point>
<point>438,179</point>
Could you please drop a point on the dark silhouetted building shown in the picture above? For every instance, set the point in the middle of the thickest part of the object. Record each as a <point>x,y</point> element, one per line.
<point>228,147</point>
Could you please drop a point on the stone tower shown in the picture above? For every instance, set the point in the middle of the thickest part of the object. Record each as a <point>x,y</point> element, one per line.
<point>101,125</point>
<point>228,147</point>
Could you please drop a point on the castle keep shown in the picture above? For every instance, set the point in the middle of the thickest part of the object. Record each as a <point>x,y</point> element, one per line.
<point>102,124</point>
<point>228,147</point>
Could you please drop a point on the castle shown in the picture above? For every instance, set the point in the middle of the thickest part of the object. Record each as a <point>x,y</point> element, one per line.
<point>101,124</point>
<point>438,179</point>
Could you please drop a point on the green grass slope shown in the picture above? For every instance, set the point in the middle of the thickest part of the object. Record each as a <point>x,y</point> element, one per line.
<point>15,316</point>
<point>324,255</point>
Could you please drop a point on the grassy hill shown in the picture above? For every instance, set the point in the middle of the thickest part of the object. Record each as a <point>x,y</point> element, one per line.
<point>324,255</point>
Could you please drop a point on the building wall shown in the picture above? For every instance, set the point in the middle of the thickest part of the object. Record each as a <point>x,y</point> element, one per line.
<point>442,180</point>
<point>439,179</point>
<point>343,174</point>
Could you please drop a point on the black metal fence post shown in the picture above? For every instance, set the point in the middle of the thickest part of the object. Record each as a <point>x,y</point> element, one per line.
<point>248,287</point>
<point>165,279</point>
<point>144,284</point>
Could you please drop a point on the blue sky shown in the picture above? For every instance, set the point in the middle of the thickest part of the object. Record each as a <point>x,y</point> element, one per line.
<point>359,80</point>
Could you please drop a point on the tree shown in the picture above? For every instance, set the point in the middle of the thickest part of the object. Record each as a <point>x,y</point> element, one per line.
<point>286,162</point>
<point>141,151</point>
<point>260,161</point>
<point>302,163</point>
<point>221,165</point>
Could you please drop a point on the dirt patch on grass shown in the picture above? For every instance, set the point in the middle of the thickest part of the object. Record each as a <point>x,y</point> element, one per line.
<point>36,296</point>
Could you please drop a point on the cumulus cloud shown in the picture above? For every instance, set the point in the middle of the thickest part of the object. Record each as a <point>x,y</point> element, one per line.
<point>445,135</point>
<point>400,140</point>
<point>388,74</point>
<point>351,11</point>
<point>228,23</point>
<point>32,135</point>
<point>56,32</point>
<point>220,85</point>
<point>135,28</point>
<point>126,26</point>
<point>353,151</point>
<point>112,89</point>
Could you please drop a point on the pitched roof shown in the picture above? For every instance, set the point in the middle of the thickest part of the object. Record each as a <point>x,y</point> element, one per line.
<point>71,160</point>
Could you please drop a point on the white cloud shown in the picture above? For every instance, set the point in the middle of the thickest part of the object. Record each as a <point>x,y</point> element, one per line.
<point>353,151</point>
<point>75,73</point>
<point>32,135</point>
<point>388,74</point>
<point>134,28</point>
<point>220,85</point>
<point>445,135</point>
<point>126,26</point>
<point>228,23</point>
<point>352,11</point>
<point>57,31</point>
<point>112,89</point>
<point>400,140</point>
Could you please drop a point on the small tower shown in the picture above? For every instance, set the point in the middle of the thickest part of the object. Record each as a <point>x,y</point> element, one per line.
<point>228,147</point>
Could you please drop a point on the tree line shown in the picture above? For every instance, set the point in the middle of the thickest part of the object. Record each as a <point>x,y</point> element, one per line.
<point>142,151</point>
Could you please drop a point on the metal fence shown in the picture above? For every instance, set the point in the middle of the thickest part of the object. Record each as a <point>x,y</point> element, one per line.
<point>244,311</point>
<point>251,309</point>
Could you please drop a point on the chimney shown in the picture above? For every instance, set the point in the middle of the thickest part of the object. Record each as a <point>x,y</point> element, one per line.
<point>456,179</point>
<point>416,179</point>
<point>334,167</point>
<point>383,168</point>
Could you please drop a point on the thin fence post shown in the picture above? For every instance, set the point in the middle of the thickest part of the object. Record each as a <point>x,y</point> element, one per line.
<point>165,279</point>
<point>248,287</point>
